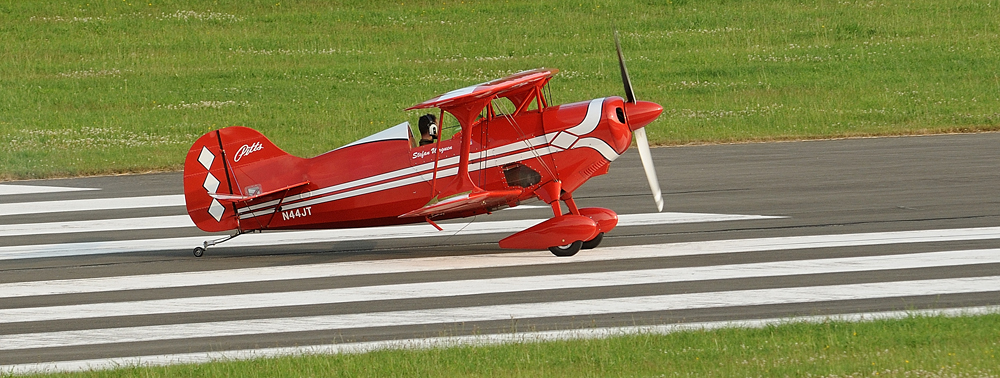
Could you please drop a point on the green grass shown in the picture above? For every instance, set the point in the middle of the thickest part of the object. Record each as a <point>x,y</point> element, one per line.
<point>116,86</point>
<point>916,346</point>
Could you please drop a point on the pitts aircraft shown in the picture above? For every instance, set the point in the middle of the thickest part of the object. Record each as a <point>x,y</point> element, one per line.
<point>236,179</point>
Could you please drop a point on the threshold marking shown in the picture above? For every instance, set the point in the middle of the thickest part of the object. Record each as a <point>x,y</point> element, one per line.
<point>424,264</point>
<point>183,221</point>
<point>590,307</point>
<point>443,289</point>
<point>287,237</point>
<point>459,341</point>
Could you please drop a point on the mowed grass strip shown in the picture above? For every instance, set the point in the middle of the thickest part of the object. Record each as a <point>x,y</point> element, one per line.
<point>916,346</point>
<point>99,87</point>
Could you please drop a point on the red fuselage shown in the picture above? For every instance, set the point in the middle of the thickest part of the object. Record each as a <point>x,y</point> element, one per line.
<point>372,184</point>
<point>373,181</point>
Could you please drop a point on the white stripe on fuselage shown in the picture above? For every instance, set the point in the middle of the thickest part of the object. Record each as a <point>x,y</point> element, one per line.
<point>530,148</point>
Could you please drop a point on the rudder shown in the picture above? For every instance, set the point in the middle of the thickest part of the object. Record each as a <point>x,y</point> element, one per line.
<point>234,161</point>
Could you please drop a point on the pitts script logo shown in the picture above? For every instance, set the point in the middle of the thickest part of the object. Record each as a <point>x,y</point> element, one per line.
<point>247,150</point>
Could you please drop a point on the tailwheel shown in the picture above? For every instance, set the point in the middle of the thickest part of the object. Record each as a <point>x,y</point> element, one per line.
<point>200,251</point>
<point>593,243</point>
<point>567,250</point>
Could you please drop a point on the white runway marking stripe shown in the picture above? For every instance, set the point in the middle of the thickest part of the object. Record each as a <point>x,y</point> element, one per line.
<point>294,237</point>
<point>13,189</point>
<point>500,285</point>
<point>469,340</point>
<point>182,221</point>
<point>121,224</point>
<point>185,279</point>
<point>502,312</point>
<point>126,224</point>
<point>17,208</point>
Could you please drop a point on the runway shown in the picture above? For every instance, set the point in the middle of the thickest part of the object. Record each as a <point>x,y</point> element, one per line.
<point>98,271</point>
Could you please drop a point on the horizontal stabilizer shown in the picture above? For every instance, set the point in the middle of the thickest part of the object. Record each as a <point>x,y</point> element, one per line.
<point>238,198</point>
<point>486,199</point>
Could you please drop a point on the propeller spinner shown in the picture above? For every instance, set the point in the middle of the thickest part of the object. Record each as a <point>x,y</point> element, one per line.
<point>639,114</point>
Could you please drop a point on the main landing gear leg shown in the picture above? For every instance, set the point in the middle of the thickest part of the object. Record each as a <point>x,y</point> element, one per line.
<point>563,234</point>
<point>570,203</point>
<point>200,251</point>
<point>587,244</point>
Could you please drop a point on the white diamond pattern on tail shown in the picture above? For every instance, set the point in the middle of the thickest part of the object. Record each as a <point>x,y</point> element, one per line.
<point>211,183</point>
<point>206,158</point>
<point>216,210</point>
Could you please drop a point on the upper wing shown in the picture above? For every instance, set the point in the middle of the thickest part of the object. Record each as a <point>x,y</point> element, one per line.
<point>499,87</point>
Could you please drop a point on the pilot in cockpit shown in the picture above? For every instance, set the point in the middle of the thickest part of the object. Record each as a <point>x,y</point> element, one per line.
<point>428,129</point>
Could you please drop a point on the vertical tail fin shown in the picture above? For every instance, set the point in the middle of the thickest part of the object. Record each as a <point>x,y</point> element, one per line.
<point>233,161</point>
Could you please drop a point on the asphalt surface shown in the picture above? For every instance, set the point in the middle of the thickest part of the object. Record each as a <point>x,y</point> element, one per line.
<point>750,231</point>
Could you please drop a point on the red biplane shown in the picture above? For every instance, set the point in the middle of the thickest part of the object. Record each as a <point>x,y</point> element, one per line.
<point>236,179</point>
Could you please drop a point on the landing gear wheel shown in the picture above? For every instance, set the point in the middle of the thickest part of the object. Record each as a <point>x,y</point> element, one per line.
<point>567,250</point>
<point>593,243</point>
<point>199,251</point>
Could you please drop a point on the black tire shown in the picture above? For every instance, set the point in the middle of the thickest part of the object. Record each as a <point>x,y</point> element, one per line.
<point>199,251</point>
<point>567,250</point>
<point>593,243</point>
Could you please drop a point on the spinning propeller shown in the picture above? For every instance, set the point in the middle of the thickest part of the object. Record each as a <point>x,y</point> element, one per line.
<point>640,113</point>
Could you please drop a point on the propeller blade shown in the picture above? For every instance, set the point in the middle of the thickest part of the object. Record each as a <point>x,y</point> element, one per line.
<point>629,95</point>
<point>647,164</point>
<point>641,140</point>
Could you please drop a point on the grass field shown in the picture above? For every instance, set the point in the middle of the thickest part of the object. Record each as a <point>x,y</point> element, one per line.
<point>913,347</point>
<point>104,87</point>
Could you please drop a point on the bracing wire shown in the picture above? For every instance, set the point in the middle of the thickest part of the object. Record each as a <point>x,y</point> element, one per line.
<point>527,141</point>
<point>454,234</point>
